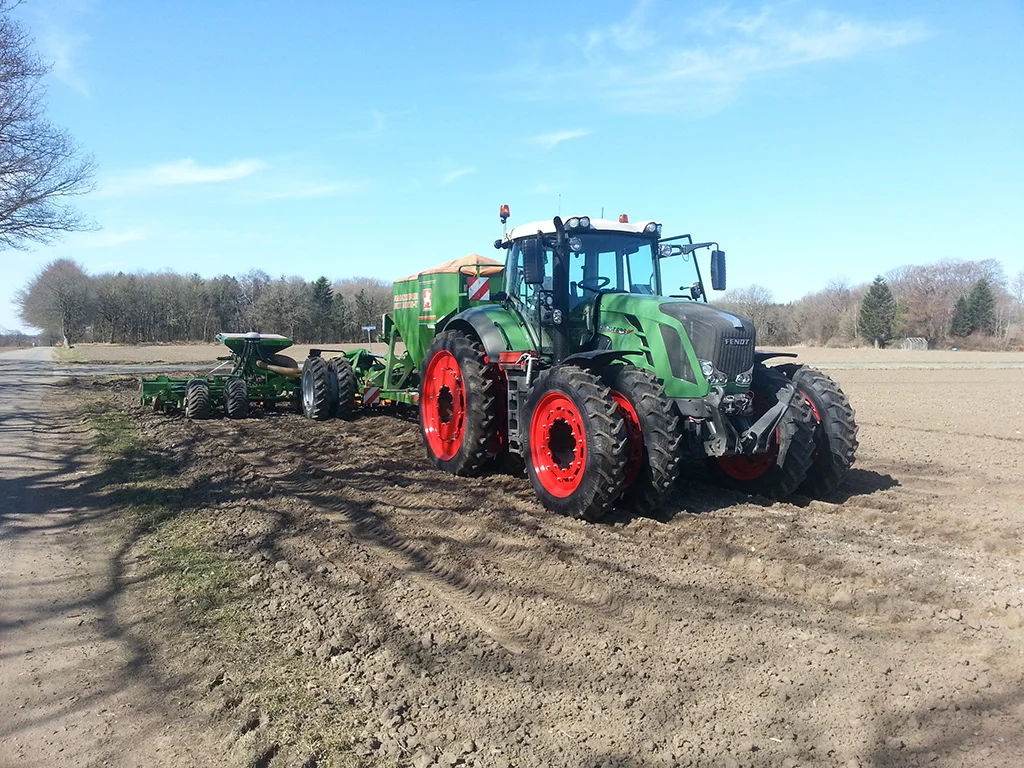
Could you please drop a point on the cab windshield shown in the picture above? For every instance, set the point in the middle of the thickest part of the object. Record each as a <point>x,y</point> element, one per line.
<point>611,263</point>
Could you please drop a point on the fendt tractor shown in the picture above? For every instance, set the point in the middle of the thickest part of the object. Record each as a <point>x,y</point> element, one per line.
<point>594,358</point>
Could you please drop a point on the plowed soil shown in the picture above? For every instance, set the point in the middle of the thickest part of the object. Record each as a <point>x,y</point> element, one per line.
<point>437,620</point>
<point>465,624</point>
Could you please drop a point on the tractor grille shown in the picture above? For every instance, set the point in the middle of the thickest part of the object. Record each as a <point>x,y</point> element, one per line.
<point>727,340</point>
<point>736,352</point>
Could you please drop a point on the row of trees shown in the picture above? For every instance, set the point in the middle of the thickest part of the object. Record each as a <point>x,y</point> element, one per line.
<point>71,305</point>
<point>945,302</point>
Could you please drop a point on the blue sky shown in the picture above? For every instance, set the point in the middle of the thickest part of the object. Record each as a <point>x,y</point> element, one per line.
<point>813,140</point>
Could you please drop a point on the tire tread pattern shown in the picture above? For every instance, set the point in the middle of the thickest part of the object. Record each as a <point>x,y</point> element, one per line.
<point>606,439</point>
<point>662,438</point>
<point>236,398</point>
<point>198,403</point>
<point>481,419</point>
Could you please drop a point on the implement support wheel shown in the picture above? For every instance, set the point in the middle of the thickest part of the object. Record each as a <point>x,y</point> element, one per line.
<point>236,398</point>
<point>319,389</point>
<point>341,367</point>
<point>197,400</point>
<point>576,444</point>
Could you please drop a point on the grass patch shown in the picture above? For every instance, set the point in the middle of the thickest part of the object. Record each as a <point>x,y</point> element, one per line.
<point>173,535</point>
<point>70,355</point>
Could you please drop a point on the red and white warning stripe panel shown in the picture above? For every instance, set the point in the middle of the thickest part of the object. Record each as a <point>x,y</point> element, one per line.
<point>479,288</point>
<point>371,396</point>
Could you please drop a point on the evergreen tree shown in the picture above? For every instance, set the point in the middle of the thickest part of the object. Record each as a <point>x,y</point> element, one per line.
<point>981,306</point>
<point>323,301</point>
<point>877,313</point>
<point>961,325</point>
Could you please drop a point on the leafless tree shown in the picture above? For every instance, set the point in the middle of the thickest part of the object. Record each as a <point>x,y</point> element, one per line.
<point>41,167</point>
<point>59,300</point>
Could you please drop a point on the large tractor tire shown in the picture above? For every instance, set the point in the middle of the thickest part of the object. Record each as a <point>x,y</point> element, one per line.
<point>575,444</point>
<point>458,404</point>
<point>236,398</point>
<point>835,437</point>
<point>319,389</point>
<point>652,426</point>
<point>198,403</point>
<point>341,367</point>
<point>761,474</point>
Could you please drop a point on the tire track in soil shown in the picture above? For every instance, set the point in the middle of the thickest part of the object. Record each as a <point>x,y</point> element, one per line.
<point>627,639</point>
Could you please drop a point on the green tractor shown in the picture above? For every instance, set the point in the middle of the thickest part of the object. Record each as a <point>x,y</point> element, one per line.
<point>258,375</point>
<point>584,360</point>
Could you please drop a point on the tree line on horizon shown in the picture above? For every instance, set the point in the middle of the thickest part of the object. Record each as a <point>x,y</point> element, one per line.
<point>948,302</point>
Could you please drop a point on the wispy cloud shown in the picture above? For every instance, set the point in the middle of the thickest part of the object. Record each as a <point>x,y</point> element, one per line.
<point>448,178</point>
<point>178,173</point>
<point>658,60</point>
<point>552,140</point>
<point>60,43</point>
<point>310,190</point>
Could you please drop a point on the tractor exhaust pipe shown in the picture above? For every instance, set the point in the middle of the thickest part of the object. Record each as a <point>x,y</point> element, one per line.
<point>560,291</point>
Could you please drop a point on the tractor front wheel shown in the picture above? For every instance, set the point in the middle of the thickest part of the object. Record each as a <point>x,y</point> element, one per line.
<point>197,400</point>
<point>652,466</point>
<point>236,398</point>
<point>319,389</point>
<point>835,437</point>
<point>576,444</point>
<point>458,404</point>
<point>761,473</point>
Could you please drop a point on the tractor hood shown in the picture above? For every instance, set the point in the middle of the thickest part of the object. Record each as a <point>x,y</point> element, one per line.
<point>724,338</point>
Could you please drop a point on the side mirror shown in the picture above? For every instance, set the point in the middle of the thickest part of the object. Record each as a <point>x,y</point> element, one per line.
<point>533,261</point>
<point>718,270</point>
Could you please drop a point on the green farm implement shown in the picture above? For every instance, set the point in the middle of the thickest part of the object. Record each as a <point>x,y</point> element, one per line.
<point>254,374</point>
<point>594,357</point>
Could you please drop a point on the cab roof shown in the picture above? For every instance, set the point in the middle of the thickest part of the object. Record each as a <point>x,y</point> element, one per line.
<point>596,225</point>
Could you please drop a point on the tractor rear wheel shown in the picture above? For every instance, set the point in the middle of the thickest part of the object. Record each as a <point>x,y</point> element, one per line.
<point>236,398</point>
<point>652,466</point>
<point>835,437</point>
<point>576,444</point>
<point>319,389</point>
<point>341,367</point>
<point>197,400</point>
<point>761,473</point>
<point>458,404</point>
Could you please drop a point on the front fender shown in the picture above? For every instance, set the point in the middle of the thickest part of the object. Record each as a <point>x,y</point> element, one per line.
<point>498,329</point>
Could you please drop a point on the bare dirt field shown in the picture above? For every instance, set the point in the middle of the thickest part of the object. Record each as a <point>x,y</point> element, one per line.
<point>319,595</point>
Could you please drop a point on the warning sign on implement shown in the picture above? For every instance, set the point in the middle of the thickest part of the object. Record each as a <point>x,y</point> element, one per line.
<point>479,288</point>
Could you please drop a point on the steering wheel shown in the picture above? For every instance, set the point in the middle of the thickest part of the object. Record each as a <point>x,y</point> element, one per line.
<point>601,280</point>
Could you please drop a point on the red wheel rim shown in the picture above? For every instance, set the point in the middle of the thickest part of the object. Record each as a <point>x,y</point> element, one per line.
<point>749,467</point>
<point>443,405</point>
<point>558,444</point>
<point>634,436</point>
<point>752,466</point>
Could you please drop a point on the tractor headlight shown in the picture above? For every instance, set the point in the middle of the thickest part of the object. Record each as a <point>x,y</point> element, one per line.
<point>575,244</point>
<point>707,368</point>
<point>651,228</point>
<point>716,379</point>
<point>585,222</point>
<point>572,223</point>
<point>744,379</point>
